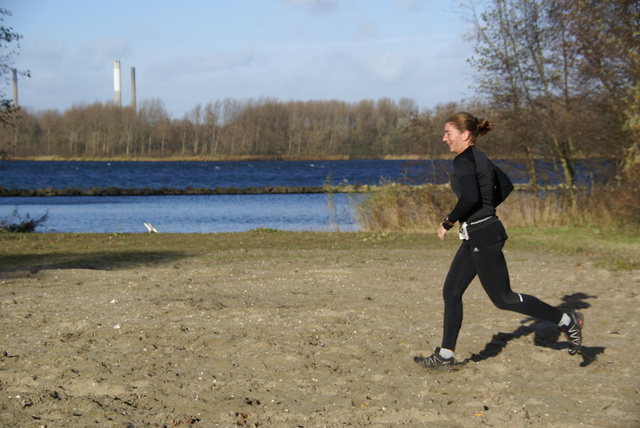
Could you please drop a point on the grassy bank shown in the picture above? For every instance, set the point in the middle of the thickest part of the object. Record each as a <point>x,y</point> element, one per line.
<point>32,252</point>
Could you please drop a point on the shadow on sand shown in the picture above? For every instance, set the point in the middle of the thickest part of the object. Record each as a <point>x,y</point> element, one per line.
<point>545,334</point>
<point>95,260</point>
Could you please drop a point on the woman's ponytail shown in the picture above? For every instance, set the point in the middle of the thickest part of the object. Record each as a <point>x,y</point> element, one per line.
<point>464,121</point>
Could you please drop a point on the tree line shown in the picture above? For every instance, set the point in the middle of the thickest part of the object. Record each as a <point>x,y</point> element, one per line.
<point>267,128</point>
<point>229,128</point>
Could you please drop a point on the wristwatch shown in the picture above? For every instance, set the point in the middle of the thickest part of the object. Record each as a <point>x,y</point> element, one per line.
<point>447,223</point>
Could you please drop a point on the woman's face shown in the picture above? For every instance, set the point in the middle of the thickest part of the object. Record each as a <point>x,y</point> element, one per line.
<point>456,140</point>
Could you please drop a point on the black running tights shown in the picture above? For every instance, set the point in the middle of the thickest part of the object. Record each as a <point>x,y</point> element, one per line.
<point>489,264</point>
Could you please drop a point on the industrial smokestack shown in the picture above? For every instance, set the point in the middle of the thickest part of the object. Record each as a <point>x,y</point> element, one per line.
<point>133,89</point>
<point>15,87</point>
<point>116,83</point>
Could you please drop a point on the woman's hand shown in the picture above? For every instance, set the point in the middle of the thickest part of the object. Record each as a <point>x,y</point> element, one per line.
<point>441,232</point>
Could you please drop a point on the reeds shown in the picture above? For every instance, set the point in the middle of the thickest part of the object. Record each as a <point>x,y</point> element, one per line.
<point>397,207</point>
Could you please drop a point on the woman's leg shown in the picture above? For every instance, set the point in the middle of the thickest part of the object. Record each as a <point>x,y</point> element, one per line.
<point>494,276</point>
<point>461,273</point>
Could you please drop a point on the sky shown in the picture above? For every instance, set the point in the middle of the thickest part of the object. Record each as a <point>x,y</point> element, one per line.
<point>198,51</point>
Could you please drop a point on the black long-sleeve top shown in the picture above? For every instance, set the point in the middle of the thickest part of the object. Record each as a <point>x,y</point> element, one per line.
<point>472,182</point>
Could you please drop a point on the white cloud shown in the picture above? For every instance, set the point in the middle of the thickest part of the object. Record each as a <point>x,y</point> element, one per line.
<point>36,55</point>
<point>366,30</point>
<point>389,65</point>
<point>322,6</point>
<point>101,52</point>
<point>411,5</point>
<point>198,63</point>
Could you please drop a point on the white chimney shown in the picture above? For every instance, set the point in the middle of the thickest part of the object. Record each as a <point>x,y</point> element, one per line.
<point>116,83</point>
<point>133,89</point>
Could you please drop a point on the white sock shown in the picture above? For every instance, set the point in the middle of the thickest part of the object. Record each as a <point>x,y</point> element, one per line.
<point>565,320</point>
<point>446,353</point>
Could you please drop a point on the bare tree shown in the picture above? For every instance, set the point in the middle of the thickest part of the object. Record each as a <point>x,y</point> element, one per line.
<point>9,113</point>
<point>526,70</point>
<point>606,35</point>
<point>548,66</point>
<point>212,117</point>
<point>155,125</point>
<point>50,122</point>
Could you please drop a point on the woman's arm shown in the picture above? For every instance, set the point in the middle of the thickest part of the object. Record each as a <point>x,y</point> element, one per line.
<point>468,194</point>
<point>469,198</point>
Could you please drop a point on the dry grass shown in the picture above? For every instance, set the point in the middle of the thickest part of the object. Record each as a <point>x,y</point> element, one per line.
<point>612,249</point>
<point>397,207</point>
<point>414,209</point>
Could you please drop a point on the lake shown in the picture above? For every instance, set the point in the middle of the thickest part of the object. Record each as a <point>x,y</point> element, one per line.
<point>216,213</point>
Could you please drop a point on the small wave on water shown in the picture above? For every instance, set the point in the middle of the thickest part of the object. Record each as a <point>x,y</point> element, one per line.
<point>187,214</point>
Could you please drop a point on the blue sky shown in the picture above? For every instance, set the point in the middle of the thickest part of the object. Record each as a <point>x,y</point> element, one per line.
<point>196,51</point>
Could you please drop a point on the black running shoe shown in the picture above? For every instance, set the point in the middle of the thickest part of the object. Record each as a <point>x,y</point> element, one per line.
<point>573,333</point>
<point>435,360</point>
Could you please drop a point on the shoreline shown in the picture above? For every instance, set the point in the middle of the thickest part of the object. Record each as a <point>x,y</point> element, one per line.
<point>257,158</point>
<point>265,190</point>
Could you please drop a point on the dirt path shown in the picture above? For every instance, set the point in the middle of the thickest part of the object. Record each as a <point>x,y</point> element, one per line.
<point>311,338</point>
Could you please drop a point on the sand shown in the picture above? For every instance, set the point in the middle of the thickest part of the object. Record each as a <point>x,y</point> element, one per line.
<point>311,338</point>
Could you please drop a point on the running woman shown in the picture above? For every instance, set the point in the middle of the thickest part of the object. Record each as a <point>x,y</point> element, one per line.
<point>480,253</point>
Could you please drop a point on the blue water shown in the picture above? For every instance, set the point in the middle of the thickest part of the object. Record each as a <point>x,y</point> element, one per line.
<point>187,214</point>
<point>220,213</point>
<point>180,175</point>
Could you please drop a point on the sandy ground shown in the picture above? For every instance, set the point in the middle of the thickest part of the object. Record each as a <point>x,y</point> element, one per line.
<point>311,338</point>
